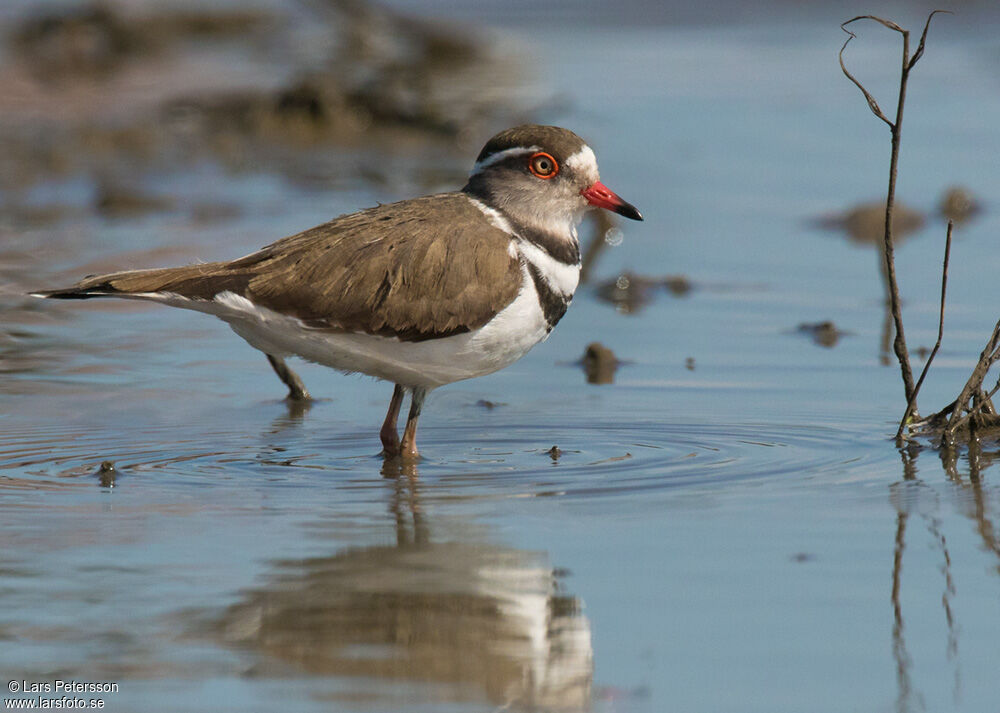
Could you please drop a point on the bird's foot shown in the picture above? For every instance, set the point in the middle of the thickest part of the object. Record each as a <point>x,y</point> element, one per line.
<point>391,447</point>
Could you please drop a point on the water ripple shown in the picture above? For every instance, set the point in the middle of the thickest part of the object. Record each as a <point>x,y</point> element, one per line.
<point>462,460</point>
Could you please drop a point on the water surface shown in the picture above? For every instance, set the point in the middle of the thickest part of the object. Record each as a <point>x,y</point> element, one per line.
<point>727,526</point>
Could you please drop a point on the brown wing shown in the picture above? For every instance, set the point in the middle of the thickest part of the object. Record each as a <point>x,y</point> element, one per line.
<point>423,268</point>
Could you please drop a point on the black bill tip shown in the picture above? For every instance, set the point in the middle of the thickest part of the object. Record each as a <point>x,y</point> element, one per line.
<point>627,210</point>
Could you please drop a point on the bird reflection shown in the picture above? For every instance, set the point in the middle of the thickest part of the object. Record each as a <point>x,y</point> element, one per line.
<point>478,620</point>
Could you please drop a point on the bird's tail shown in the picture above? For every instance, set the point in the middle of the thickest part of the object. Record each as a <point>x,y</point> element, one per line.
<point>201,281</point>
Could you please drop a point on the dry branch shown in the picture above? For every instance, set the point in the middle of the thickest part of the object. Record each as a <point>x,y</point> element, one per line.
<point>895,124</point>
<point>911,405</point>
<point>981,412</point>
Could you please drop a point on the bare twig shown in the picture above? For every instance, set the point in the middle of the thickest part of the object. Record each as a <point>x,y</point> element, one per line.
<point>872,104</point>
<point>923,36</point>
<point>899,343</point>
<point>989,356</point>
<point>911,405</point>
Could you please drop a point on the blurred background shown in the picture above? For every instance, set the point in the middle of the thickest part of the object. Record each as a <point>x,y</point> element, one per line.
<point>686,499</point>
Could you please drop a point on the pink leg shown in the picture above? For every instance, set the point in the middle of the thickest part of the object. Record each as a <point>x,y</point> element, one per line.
<point>388,434</point>
<point>409,445</point>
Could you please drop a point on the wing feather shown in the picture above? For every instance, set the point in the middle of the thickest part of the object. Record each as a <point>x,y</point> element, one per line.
<point>419,269</point>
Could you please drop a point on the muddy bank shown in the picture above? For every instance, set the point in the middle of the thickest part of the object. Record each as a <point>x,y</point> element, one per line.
<point>97,92</point>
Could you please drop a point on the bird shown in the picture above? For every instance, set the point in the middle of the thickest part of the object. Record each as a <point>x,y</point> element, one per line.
<point>420,293</point>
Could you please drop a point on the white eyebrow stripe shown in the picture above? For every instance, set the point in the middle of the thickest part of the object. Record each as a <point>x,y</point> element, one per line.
<point>583,161</point>
<point>500,156</point>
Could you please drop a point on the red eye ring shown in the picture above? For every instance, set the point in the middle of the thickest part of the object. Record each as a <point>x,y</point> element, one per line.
<point>543,165</point>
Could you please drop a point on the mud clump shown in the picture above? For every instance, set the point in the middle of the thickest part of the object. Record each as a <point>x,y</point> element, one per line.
<point>107,474</point>
<point>74,43</point>
<point>242,124</point>
<point>385,74</point>
<point>825,334</point>
<point>865,224</point>
<point>599,364</point>
<point>114,201</point>
<point>958,204</point>
<point>99,90</point>
<point>630,292</point>
<point>304,101</point>
<point>91,42</point>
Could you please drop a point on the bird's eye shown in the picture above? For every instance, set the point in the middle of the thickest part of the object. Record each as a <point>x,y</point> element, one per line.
<point>543,165</point>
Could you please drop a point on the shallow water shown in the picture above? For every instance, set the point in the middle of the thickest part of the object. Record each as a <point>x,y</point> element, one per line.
<point>740,535</point>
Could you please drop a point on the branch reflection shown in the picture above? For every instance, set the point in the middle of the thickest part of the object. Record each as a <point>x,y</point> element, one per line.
<point>976,500</point>
<point>911,496</point>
